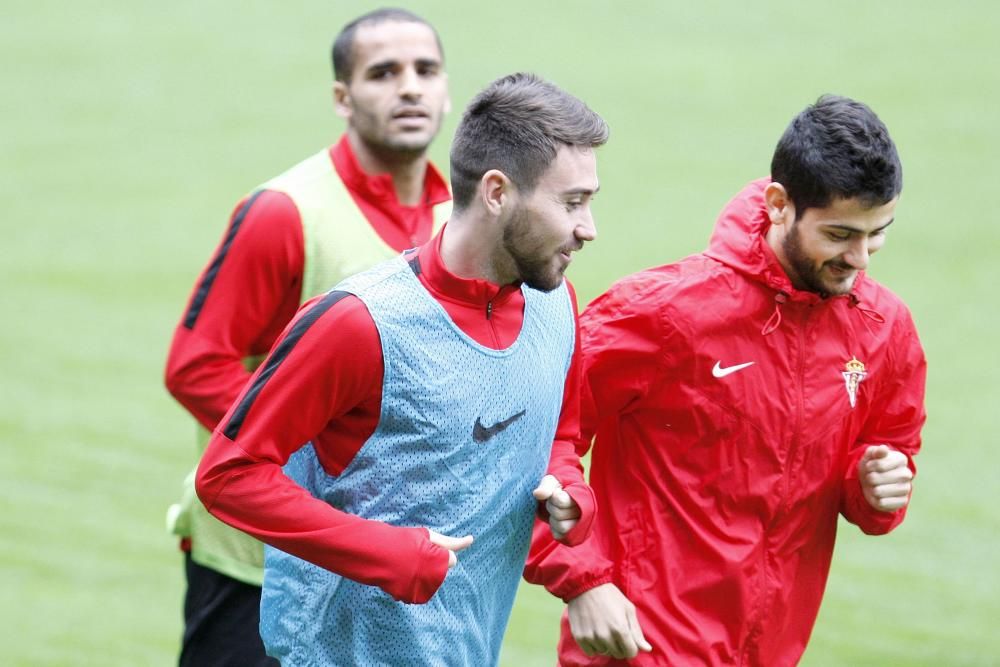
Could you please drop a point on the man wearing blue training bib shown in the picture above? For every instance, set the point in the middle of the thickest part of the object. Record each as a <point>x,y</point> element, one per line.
<point>396,445</point>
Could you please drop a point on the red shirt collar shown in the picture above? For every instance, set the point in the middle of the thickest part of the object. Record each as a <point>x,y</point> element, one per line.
<point>445,284</point>
<point>379,187</point>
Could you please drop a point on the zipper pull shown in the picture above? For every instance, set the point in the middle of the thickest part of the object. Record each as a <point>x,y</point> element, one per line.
<point>489,309</point>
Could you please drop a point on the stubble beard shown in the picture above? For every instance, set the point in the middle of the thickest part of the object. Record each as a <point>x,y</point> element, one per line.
<point>388,147</point>
<point>533,268</point>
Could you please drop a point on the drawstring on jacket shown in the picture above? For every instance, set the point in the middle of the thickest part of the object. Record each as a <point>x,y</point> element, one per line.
<point>868,312</point>
<point>774,321</point>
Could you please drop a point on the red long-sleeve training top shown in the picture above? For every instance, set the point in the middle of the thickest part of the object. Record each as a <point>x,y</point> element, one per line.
<point>256,286</point>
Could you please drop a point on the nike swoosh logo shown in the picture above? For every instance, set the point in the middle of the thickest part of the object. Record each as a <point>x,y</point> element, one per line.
<point>482,433</point>
<point>719,372</point>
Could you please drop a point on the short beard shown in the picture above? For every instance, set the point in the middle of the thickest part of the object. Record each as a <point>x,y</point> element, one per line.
<point>803,266</point>
<point>533,270</point>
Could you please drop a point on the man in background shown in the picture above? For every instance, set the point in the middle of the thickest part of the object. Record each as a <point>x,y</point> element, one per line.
<point>419,405</point>
<point>366,198</point>
<point>742,398</point>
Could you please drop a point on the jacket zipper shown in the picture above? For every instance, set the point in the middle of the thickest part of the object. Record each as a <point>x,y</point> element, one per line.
<point>800,409</point>
<point>757,628</point>
<point>493,327</point>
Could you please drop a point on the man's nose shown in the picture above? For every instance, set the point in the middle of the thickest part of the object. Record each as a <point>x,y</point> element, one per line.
<point>858,254</point>
<point>409,86</point>
<point>587,229</point>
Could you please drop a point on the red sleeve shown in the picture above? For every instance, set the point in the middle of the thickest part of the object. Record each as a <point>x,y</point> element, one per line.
<point>567,448</point>
<point>328,361</point>
<point>241,302</point>
<point>897,416</point>
<point>621,352</point>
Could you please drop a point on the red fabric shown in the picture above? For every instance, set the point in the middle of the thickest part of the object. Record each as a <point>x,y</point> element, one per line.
<point>719,496</point>
<point>401,227</point>
<point>322,395</point>
<point>258,286</point>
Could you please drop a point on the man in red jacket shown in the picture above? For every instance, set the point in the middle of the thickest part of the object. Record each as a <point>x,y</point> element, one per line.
<point>347,207</point>
<point>742,398</point>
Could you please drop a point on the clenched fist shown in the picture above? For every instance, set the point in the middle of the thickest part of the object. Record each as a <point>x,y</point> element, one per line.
<point>886,478</point>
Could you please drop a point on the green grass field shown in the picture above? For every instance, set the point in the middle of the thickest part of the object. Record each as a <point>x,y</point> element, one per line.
<point>129,132</point>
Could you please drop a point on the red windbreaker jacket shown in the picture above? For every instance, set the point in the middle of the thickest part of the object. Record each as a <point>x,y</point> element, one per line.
<point>730,412</point>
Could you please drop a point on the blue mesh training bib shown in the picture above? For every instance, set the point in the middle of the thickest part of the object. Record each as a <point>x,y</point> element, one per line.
<point>463,438</point>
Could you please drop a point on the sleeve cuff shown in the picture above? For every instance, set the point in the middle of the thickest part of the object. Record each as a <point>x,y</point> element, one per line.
<point>582,587</point>
<point>429,573</point>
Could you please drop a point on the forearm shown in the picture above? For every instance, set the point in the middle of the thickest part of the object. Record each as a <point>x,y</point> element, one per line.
<point>204,379</point>
<point>256,497</point>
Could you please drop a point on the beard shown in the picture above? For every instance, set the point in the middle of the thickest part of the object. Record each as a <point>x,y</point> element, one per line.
<point>808,273</point>
<point>535,267</point>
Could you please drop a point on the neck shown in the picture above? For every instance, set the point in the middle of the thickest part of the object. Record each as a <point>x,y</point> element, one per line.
<point>407,168</point>
<point>774,237</point>
<point>469,247</point>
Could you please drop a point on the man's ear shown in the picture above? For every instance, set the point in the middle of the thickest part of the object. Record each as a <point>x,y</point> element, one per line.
<point>780,208</point>
<point>495,191</point>
<point>342,102</point>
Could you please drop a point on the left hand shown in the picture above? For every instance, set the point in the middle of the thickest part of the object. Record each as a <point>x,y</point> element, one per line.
<point>563,510</point>
<point>885,478</point>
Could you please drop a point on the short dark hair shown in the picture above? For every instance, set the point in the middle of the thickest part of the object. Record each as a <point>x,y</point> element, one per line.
<point>342,53</point>
<point>517,125</point>
<point>837,148</point>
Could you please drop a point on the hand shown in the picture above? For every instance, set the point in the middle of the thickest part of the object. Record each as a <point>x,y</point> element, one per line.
<point>885,478</point>
<point>603,622</point>
<point>563,510</point>
<point>452,544</point>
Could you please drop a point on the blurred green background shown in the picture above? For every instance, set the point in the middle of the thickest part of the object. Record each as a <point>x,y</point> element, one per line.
<point>129,130</point>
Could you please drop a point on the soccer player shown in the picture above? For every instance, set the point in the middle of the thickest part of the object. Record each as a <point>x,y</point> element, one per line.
<point>742,398</point>
<point>346,208</point>
<point>390,445</point>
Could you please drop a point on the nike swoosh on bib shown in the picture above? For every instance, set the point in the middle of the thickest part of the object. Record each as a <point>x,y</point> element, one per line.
<point>720,372</point>
<point>482,433</point>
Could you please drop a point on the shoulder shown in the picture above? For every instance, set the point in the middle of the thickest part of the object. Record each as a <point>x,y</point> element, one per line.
<point>651,290</point>
<point>338,313</point>
<point>266,219</point>
<point>879,298</point>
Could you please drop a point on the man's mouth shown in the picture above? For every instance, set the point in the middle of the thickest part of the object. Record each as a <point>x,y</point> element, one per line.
<point>410,113</point>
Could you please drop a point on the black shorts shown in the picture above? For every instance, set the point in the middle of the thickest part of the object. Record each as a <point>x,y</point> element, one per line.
<point>221,621</point>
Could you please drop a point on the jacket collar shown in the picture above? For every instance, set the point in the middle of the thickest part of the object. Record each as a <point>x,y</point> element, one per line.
<point>379,187</point>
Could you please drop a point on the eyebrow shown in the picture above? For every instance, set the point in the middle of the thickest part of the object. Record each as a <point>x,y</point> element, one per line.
<point>384,65</point>
<point>582,191</point>
<point>855,230</point>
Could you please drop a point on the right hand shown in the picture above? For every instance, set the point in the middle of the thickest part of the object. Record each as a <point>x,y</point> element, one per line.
<point>452,544</point>
<point>603,622</point>
<point>563,511</point>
